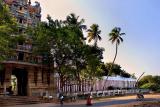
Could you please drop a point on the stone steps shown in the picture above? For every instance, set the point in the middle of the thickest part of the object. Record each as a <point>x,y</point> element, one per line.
<point>18,100</point>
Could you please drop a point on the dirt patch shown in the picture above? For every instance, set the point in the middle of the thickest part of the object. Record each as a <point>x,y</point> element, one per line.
<point>148,104</point>
<point>139,104</point>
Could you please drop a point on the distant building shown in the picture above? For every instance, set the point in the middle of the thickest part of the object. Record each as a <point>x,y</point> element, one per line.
<point>23,69</point>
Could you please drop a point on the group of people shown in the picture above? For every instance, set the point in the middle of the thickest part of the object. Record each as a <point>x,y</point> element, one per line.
<point>89,99</point>
<point>139,96</point>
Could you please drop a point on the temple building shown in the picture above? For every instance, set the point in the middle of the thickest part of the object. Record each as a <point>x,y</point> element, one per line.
<point>24,72</point>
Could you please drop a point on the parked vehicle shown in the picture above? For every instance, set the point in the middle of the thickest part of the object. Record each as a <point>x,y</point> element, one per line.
<point>139,97</point>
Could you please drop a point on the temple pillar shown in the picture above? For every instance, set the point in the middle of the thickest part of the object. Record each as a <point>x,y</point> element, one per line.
<point>39,77</point>
<point>30,80</point>
<point>8,73</point>
<point>52,86</point>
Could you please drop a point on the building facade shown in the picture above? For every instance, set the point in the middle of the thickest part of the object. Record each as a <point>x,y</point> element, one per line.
<point>23,72</point>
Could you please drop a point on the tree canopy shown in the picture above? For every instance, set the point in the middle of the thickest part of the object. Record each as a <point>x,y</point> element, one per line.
<point>150,82</point>
<point>7,29</point>
<point>116,70</point>
<point>61,43</point>
<point>94,34</point>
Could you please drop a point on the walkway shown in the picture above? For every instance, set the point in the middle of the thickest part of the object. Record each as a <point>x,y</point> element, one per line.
<point>105,102</point>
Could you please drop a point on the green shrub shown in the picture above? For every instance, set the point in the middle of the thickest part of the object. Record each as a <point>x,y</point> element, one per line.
<point>152,86</point>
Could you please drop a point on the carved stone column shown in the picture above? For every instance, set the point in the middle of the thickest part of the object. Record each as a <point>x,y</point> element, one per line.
<point>8,73</point>
<point>39,77</point>
<point>30,80</point>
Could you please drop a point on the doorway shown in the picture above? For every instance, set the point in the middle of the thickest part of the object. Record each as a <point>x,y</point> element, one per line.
<point>14,84</point>
<point>21,76</point>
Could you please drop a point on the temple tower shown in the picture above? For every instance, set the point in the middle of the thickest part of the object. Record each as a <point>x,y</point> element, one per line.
<point>33,78</point>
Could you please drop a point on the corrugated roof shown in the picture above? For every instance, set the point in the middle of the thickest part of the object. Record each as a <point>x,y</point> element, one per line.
<point>119,78</point>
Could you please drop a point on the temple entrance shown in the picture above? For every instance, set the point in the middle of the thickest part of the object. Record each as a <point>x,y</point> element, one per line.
<point>20,81</point>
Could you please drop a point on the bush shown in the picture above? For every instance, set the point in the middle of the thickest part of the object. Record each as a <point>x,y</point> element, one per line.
<point>151,86</point>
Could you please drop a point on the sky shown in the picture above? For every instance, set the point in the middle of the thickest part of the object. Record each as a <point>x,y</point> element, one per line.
<point>139,19</point>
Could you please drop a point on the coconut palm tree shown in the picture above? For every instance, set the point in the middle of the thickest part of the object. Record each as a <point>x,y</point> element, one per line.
<point>74,21</point>
<point>94,34</point>
<point>116,37</point>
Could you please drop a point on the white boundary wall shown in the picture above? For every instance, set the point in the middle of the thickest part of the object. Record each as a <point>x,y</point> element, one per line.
<point>73,86</point>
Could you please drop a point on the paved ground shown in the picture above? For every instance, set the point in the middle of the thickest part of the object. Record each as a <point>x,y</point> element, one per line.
<point>105,102</point>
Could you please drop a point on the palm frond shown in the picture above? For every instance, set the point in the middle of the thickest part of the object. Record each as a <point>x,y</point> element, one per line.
<point>90,39</point>
<point>89,30</point>
<point>121,34</point>
<point>84,27</point>
<point>118,41</point>
<point>99,37</point>
<point>121,39</point>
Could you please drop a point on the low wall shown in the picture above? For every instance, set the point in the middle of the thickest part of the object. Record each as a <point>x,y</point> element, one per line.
<point>108,93</point>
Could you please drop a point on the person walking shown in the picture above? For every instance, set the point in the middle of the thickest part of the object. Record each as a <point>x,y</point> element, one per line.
<point>89,100</point>
<point>61,99</point>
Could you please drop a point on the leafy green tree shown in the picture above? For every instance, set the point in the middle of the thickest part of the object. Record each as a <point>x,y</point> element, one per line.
<point>125,74</point>
<point>7,28</point>
<point>93,70</point>
<point>146,79</point>
<point>152,86</point>
<point>78,61</point>
<point>47,43</point>
<point>76,27</point>
<point>94,34</point>
<point>93,57</point>
<point>116,70</point>
<point>54,42</point>
<point>157,79</point>
<point>149,82</point>
<point>62,46</point>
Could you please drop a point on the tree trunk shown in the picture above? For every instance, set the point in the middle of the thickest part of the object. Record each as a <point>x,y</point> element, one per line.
<point>115,54</point>
<point>79,86</point>
<point>95,42</point>
<point>83,85</point>
<point>111,66</point>
<point>61,83</point>
<point>92,84</point>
